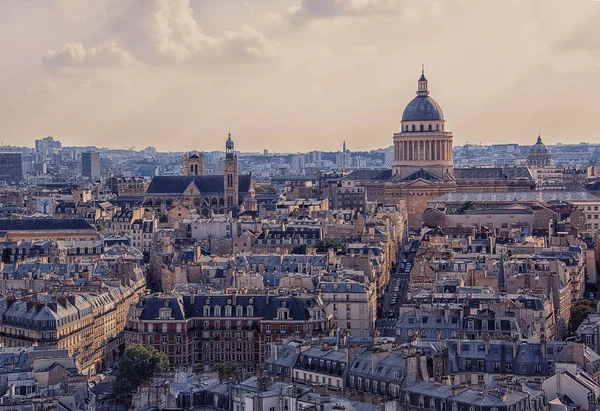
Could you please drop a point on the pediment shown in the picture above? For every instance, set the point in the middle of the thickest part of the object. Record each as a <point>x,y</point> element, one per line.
<point>192,189</point>
<point>420,182</point>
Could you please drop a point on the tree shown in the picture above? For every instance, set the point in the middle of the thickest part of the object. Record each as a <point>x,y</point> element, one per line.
<point>327,244</point>
<point>299,249</point>
<point>139,364</point>
<point>260,189</point>
<point>579,312</point>
<point>225,370</point>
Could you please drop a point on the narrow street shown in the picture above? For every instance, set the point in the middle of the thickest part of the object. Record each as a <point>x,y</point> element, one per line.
<point>396,291</point>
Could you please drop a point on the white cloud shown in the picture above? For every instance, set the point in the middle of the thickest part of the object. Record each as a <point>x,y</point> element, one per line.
<point>249,42</point>
<point>75,54</point>
<point>164,31</point>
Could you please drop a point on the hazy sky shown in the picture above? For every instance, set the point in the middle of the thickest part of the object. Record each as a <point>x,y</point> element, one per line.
<point>295,75</point>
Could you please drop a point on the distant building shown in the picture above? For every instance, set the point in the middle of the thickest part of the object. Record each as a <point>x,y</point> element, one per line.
<point>47,145</point>
<point>538,156</point>
<point>90,165</point>
<point>11,164</point>
<point>208,194</point>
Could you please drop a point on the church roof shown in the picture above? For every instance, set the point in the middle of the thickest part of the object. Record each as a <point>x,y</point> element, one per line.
<point>206,184</point>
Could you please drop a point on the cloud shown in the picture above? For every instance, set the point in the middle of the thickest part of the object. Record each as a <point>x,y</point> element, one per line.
<point>249,42</point>
<point>338,8</point>
<point>75,54</point>
<point>166,31</point>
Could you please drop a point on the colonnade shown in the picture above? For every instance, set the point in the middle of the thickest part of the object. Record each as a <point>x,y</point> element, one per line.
<point>426,150</point>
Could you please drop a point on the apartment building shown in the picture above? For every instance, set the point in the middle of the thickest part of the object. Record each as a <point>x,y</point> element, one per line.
<point>199,330</point>
<point>353,306</point>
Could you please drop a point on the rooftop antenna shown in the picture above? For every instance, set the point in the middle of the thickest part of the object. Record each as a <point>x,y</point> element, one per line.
<point>422,68</point>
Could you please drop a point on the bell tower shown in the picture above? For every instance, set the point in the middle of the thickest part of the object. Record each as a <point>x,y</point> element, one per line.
<point>193,164</point>
<point>230,175</point>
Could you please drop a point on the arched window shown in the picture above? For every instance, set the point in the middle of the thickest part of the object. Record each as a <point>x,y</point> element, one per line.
<point>413,128</point>
<point>430,127</point>
<point>422,127</point>
<point>437,127</point>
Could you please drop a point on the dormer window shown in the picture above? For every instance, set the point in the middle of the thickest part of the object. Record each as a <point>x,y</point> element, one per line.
<point>228,311</point>
<point>239,311</point>
<point>164,313</point>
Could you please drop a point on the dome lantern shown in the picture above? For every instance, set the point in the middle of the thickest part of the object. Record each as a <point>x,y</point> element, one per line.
<point>422,88</point>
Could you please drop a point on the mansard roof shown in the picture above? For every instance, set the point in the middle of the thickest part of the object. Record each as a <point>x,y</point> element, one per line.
<point>41,224</point>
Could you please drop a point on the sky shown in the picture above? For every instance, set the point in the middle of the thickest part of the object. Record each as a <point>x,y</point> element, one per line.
<point>295,75</point>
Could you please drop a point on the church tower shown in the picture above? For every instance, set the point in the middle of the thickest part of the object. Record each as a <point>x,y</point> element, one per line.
<point>423,143</point>
<point>230,175</point>
<point>193,164</point>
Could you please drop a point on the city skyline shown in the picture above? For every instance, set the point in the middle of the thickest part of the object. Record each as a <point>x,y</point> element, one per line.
<point>295,76</point>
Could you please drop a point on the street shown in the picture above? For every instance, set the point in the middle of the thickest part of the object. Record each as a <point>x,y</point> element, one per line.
<point>103,389</point>
<point>396,291</point>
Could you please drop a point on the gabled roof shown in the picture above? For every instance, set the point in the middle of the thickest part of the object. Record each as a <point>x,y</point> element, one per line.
<point>419,174</point>
<point>206,184</point>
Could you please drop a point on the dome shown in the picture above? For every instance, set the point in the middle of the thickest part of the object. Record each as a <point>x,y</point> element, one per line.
<point>229,143</point>
<point>539,146</point>
<point>423,108</point>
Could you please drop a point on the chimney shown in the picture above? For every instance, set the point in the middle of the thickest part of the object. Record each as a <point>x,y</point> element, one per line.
<point>457,389</point>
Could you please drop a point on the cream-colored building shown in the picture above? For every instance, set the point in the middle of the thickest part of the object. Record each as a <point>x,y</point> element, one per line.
<point>352,305</point>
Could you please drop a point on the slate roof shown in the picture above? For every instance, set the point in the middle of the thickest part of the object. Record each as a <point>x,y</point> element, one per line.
<point>35,224</point>
<point>342,287</point>
<point>206,184</point>
<point>423,174</point>
<point>508,173</point>
<point>192,306</point>
<point>386,368</point>
<point>373,175</point>
<point>511,197</point>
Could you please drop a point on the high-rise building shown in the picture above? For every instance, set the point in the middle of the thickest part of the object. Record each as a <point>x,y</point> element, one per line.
<point>90,165</point>
<point>47,145</point>
<point>11,164</point>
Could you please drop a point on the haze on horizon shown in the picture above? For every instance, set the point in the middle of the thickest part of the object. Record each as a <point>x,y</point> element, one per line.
<point>295,75</point>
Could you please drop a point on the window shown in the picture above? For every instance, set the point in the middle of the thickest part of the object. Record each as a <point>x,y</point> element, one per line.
<point>229,180</point>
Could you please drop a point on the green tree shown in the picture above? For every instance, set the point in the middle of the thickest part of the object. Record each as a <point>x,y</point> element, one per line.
<point>299,249</point>
<point>262,188</point>
<point>225,370</point>
<point>579,312</point>
<point>137,366</point>
<point>328,244</point>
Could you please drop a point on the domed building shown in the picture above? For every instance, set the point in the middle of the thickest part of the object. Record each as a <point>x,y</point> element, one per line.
<point>539,156</point>
<point>423,167</point>
<point>423,143</point>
